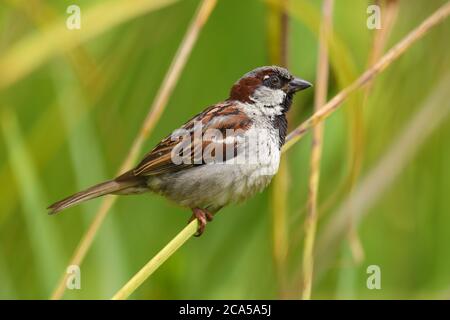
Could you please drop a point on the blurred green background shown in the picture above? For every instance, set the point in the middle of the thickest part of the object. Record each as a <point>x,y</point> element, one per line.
<point>70,121</point>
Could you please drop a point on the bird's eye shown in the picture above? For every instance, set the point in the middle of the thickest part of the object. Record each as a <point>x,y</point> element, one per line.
<point>273,82</point>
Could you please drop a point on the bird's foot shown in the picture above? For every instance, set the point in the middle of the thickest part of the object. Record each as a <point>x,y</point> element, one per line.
<point>203,216</point>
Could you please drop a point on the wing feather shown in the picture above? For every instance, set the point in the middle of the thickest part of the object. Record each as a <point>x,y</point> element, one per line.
<point>195,139</point>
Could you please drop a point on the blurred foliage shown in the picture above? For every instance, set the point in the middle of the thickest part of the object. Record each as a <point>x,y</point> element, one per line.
<point>69,123</point>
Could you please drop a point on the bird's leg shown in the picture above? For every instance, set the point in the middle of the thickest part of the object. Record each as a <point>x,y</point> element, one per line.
<point>203,216</point>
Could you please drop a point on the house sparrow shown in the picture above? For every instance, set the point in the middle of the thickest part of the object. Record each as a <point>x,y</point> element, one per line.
<point>225,154</point>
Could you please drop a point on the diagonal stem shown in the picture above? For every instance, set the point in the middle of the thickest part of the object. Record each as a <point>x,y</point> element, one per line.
<point>154,264</point>
<point>158,106</point>
<point>437,17</point>
<point>434,112</point>
<point>392,55</point>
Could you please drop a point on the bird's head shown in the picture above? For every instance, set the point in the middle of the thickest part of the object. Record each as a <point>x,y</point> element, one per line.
<point>268,86</point>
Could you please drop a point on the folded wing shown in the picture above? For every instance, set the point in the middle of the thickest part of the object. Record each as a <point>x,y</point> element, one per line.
<point>218,127</point>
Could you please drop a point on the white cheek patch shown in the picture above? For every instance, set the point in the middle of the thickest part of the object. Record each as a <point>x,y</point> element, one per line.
<point>268,97</point>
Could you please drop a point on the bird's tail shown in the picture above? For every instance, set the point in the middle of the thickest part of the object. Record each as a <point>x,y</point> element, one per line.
<point>117,186</point>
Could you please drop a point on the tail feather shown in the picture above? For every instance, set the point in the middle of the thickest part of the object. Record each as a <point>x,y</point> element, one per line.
<point>101,189</point>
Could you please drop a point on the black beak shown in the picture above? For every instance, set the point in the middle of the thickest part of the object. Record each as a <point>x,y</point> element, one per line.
<point>298,84</point>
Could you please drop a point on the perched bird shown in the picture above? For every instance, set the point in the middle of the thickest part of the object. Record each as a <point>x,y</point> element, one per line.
<point>225,154</point>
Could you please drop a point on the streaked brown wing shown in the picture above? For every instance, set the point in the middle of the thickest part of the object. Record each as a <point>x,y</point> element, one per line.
<point>221,117</point>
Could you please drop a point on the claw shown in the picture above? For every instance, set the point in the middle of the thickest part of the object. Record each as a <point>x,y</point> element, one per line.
<point>203,216</point>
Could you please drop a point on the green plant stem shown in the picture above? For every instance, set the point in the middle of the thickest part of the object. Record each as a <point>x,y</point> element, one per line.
<point>316,150</point>
<point>393,54</point>
<point>278,38</point>
<point>434,112</point>
<point>179,61</point>
<point>157,261</point>
<point>433,20</point>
